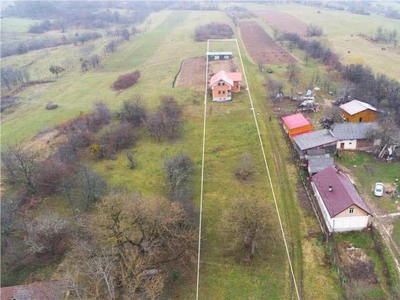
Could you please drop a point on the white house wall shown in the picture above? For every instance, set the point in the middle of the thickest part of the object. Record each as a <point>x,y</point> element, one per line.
<point>348,144</point>
<point>349,223</point>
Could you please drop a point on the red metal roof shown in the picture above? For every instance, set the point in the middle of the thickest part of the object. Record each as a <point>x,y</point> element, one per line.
<point>229,78</point>
<point>343,194</point>
<point>235,76</point>
<point>221,75</point>
<point>295,121</point>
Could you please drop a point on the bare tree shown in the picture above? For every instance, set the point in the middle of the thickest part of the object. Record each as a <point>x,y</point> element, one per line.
<point>246,223</point>
<point>178,172</point>
<point>293,71</point>
<point>245,168</point>
<point>275,90</point>
<point>134,242</point>
<point>131,159</point>
<point>155,126</point>
<point>133,111</point>
<point>20,165</point>
<point>47,234</point>
<point>90,187</point>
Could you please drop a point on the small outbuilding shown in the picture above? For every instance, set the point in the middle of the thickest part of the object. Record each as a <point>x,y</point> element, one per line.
<point>318,160</point>
<point>219,55</point>
<point>354,136</point>
<point>296,124</point>
<point>321,139</point>
<point>342,207</point>
<point>357,111</point>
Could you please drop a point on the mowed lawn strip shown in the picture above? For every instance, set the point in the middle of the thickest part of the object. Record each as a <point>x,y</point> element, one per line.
<point>231,131</point>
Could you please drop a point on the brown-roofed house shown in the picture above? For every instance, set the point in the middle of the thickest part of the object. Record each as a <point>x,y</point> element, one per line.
<point>223,84</point>
<point>341,205</point>
<point>46,290</point>
<point>357,111</point>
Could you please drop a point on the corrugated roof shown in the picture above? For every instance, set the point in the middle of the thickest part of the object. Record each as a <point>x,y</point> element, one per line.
<point>295,121</point>
<point>46,290</point>
<point>314,139</point>
<point>221,75</point>
<point>319,163</point>
<point>343,194</point>
<point>356,106</point>
<point>352,131</point>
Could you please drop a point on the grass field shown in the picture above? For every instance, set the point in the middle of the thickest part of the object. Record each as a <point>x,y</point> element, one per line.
<point>230,132</point>
<point>338,27</point>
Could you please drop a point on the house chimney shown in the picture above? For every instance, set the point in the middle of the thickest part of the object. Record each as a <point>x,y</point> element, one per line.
<point>330,188</point>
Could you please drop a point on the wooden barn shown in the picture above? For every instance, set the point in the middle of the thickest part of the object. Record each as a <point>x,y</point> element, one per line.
<point>223,84</point>
<point>341,205</point>
<point>357,111</point>
<point>296,124</point>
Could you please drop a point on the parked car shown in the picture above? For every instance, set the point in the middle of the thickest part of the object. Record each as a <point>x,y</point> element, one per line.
<point>378,190</point>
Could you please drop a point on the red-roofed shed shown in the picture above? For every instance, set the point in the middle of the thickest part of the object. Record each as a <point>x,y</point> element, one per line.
<point>296,124</point>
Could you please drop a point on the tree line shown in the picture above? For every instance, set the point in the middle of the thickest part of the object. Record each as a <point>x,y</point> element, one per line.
<point>9,49</point>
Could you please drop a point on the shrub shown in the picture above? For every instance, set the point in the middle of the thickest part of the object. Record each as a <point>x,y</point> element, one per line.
<point>127,80</point>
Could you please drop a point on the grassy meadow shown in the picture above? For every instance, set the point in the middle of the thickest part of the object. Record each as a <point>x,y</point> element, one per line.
<point>167,39</point>
<point>338,29</point>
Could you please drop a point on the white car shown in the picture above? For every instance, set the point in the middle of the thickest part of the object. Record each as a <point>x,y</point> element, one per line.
<point>378,191</point>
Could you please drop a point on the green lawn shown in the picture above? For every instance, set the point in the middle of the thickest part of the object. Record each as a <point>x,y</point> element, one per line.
<point>338,27</point>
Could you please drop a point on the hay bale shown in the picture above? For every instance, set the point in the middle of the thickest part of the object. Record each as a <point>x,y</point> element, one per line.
<point>51,105</point>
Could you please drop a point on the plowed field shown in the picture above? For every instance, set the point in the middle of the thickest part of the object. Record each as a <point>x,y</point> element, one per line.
<point>261,47</point>
<point>192,72</point>
<point>283,22</point>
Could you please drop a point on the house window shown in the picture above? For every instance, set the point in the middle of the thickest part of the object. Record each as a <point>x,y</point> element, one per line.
<point>223,92</point>
<point>351,210</point>
<point>219,92</point>
<point>223,83</point>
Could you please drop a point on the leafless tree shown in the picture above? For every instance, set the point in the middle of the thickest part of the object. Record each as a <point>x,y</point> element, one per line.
<point>275,88</point>
<point>245,168</point>
<point>90,188</point>
<point>134,242</point>
<point>131,159</point>
<point>20,165</point>
<point>293,71</point>
<point>178,172</point>
<point>47,234</point>
<point>133,111</point>
<point>247,223</point>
